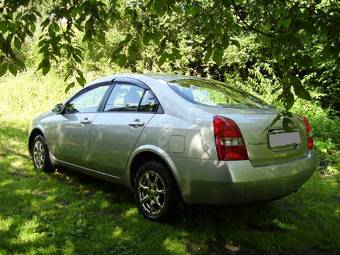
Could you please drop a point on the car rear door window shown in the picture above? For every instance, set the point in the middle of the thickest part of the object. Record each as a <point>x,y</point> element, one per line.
<point>124,97</point>
<point>149,102</point>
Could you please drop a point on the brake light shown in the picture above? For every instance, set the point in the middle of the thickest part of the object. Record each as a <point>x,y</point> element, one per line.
<point>310,142</point>
<point>229,141</point>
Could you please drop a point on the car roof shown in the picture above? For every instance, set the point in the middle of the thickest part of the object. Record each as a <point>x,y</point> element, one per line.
<point>160,77</point>
<point>170,77</point>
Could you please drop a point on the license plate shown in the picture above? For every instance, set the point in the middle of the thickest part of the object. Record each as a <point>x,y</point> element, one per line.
<point>284,139</point>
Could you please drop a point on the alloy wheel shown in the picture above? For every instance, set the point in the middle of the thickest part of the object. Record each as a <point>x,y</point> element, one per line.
<point>151,193</point>
<point>39,154</point>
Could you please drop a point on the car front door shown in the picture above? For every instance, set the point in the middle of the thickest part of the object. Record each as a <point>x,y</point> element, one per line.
<point>74,125</point>
<point>118,126</point>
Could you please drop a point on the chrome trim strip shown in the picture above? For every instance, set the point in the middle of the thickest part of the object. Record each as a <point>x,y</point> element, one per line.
<point>86,169</point>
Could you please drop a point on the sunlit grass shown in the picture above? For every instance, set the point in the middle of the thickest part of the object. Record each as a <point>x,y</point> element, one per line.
<point>69,213</point>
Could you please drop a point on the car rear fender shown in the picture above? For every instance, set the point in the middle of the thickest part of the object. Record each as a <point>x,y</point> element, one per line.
<point>158,152</point>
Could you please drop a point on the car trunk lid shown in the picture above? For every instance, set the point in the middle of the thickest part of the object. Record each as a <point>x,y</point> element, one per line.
<point>270,136</point>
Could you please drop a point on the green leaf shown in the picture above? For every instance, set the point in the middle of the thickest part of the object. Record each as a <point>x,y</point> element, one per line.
<point>301,92</point>
<point>287,124</point>
<point>225,42</point>
<point>44,49</point>
<point>276,119</point>
<point>45,23</point>
<point>3,26</point>
<point>121,60</point>
<point>41,64</point>
<point>146,38</point>
<point>307,61</point>
<point>218,56</point>
<point>69,86</point>
<point>162,59</point>
<point>32,27</point>
<point>266,27</point>
<point>46,68</point>
<point>74,11</point>
<point>78,58</point>
<point>79,27</point>
<point>17,43</point>
<point>20,64</point>
<point>68,74</point>
<point>132,51</point>
<point>193,10</point>
<point>286,23</point>
<point>156,37</point>
<point>51,30</point>
<point>235,42</point>
<point>101,37</point>
<point>80,73</point>
<point>41,43</point>
<point>13,69</point>
<point>309,26</point>
<point>288,100</point>
<point>207,55</point>
<point>80,81</point>
<point>176,54</point>
<point>276,53</point>
<point>3,69</point>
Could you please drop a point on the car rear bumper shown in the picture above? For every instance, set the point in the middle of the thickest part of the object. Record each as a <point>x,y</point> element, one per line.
<point>237,182</point>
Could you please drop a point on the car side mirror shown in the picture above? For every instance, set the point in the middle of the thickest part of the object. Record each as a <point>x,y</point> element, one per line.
<point>58,108</point>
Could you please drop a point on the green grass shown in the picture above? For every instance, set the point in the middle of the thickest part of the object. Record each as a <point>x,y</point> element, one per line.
<point>69,213</point>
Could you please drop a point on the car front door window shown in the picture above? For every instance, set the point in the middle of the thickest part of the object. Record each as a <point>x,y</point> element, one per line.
<point>87,102</point>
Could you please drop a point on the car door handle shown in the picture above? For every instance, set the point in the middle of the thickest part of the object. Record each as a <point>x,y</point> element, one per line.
<point>137,123</point>
<point>85,121</point>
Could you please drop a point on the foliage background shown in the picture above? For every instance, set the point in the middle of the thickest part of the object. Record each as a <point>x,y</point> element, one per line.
<point>287,48</point>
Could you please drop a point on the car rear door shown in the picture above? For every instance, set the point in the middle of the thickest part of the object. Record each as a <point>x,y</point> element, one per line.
<point>73,127</point>
<point>117,127</point>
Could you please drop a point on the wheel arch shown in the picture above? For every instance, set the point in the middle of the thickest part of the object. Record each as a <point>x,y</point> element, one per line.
<point>146,153</point>
<point>34,132</point>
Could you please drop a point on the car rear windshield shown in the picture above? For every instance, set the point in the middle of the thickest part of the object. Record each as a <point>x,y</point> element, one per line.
<point>213,93</point>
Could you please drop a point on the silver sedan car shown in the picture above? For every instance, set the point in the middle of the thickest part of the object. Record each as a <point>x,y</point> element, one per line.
<point>175,139</point>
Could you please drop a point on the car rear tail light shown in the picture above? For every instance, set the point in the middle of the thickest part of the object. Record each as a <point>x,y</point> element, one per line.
<point>310,142</point>
<point>229,141</point>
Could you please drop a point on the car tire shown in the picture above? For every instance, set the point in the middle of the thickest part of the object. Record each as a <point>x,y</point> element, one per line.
<point>156,192</point>
<point>40,155</point>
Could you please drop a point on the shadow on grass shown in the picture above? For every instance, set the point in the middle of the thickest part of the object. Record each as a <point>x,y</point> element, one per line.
<point>114,192</point>
<point>68,212</point>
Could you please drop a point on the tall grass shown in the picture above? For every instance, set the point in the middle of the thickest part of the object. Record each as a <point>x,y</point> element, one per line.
<point>29,94</point>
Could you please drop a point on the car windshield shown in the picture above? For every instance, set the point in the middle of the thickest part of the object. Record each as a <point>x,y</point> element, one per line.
<point>213,93</point>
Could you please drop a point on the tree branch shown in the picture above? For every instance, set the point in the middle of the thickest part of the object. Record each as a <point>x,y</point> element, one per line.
<point>240,18</point>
